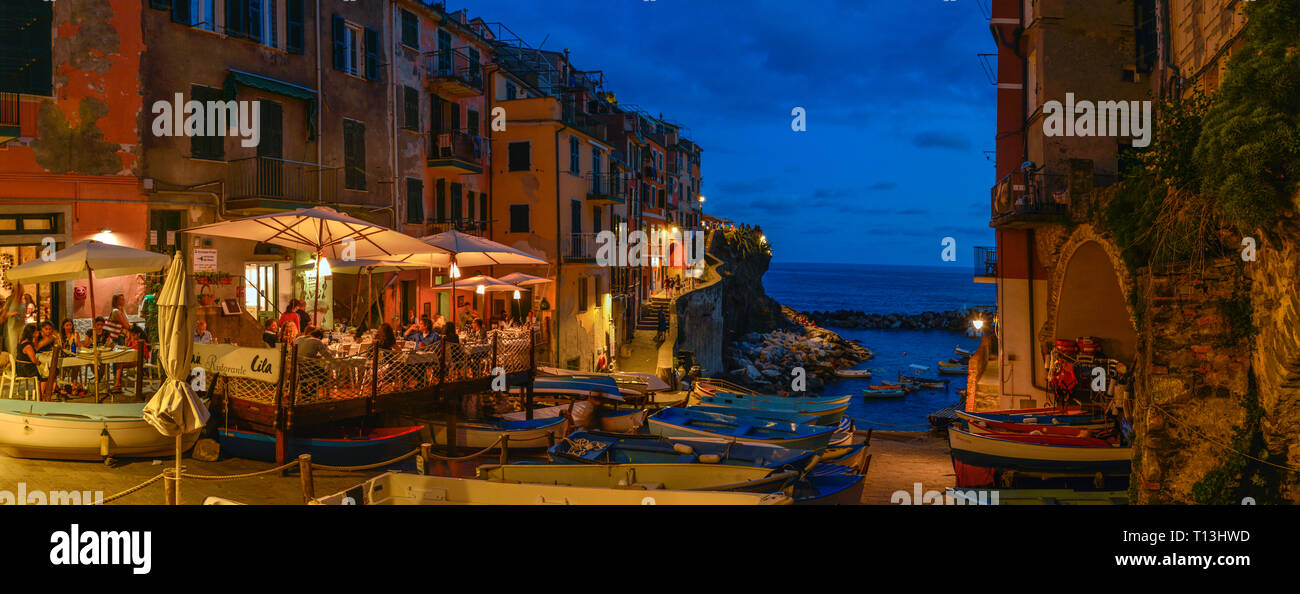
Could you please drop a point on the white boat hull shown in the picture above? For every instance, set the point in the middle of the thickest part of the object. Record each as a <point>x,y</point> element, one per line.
<point>55,437</point>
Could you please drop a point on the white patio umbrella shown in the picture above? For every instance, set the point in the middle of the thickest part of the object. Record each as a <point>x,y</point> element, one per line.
<point>85,259</point>
<point>175,410</point>
<point>525,280</point>
<point>327,233</point>
<point>477,284</point>
<point>471,250</point>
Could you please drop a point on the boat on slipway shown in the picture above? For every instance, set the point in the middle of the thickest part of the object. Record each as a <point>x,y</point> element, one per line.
<point>676,422</point>
<point>347,448</point>
<point>1039,453</point>
<point>81,431</point>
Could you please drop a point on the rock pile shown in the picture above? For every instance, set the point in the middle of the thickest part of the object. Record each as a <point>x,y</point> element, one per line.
<point>955,320</point>
<point>765,362</point>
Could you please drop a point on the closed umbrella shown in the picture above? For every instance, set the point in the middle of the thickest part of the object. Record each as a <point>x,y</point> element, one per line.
<point>327,233</point>
<point>175,410</point>
<point>85,259</point>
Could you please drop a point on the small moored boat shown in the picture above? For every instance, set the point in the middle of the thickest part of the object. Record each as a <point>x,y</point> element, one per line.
<point>1039,419</point>
<point>1039,453</point>
<point>770,415</point>
<point>853,373</point>
<point>345,449</point>
<point>614,421</point>
<point>677,422</point>
<point>979,425</point>
<point>823,410</point>
<point>604,448</point>
<point>963,352</point>
<point>873,393</point>
<point>537,433</point>
<point>674,477</point>
<point>77,431</point>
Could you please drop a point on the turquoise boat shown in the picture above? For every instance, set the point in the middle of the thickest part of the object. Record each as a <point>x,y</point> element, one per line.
<point>597,447</point>
<point>681,422</point>
<point>827,411</point>
<point>770,415</point>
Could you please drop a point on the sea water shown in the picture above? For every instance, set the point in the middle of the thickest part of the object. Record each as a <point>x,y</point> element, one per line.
<point>885,290</point>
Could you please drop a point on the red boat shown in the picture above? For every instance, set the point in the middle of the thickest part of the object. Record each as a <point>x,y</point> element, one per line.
<point>981,426</point>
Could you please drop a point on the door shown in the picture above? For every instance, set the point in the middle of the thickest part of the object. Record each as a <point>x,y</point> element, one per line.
<point>270,150</point>
<point>575,216</point>
<point>163,228</point>
<point>407,299</point>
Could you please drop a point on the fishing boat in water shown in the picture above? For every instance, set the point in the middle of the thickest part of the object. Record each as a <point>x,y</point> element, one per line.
<point>1039,453</point>
<point>824,411</point>
<point>883,393</point>
<point>677,422</point>
<point>81,431</point>
<point>395,488</point>
<point>346,448</point>
<point>604,448</point>
<point>853,373</point>
<point>537,433</point>
<point>923,382</point>
<point>949,368</point>
<point>649,477</point>
<point>963,352</point>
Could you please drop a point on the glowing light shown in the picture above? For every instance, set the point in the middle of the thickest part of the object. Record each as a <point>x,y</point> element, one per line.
<point>978,323</point>
<point>324,268</point>
<point>516,294</point>
<point>455,271</point>
<point>480,289</point>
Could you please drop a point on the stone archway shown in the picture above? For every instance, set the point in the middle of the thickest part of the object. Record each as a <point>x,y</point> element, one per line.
<point>1088,295</point>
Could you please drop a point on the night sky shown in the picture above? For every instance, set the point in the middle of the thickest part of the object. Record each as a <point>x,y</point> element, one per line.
<point>899,111</point>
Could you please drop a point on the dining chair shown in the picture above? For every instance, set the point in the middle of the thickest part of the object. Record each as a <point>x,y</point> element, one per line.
<point>30,390</point>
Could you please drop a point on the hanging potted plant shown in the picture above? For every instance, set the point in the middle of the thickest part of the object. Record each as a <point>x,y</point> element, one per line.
<point>226,278</point>
<point>205,278</point>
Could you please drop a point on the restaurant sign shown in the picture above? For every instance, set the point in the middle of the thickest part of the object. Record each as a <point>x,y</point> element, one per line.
<point>234,361</point>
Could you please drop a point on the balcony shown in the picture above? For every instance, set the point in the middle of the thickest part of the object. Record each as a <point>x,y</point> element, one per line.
<point>456,153</point>
<point>986,265</point>
<point>270,183</point>
<point>1024,200</point>
<point>452,73</point>
<point>584,123</point>
<point>607,188</point>
<point>470,226</point>
<point>579,247</point>
<point>10,120</point>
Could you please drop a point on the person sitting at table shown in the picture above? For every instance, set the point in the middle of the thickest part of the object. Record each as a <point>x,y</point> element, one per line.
<point>360,332</point>
<point>269,333</point>
<point>25,361</point>
<point>476,329</point>
<point>288,332</point>
<point>201,334</point>
<point>387,338</point>
<point>311,376</point>
<point>439,322</point>
<point>97,329</point>
<point>451,342</point>
<point>304,320</point>
<point>135,339</point>
<point>312,345</point>
<point>46,339</point>
<point>117,324</point>
<point>427,336</point>
<point>68,337</point>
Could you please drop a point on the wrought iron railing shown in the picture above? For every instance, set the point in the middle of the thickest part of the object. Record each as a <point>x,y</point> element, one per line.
<point>10,109</point>
<point>456,66</point>
<point>282,179</point>
<point>608,186</point>
<point>591,126</point>
<point>471,226</point>
<point>579,246</point>
<point>986,262</point>
<point>458,145</point>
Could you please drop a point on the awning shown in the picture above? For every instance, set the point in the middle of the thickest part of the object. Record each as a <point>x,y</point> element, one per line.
<point>270,85</point>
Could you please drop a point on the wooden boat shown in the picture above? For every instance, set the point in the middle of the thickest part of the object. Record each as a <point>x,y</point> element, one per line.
<point>576,386</point>
<point>963,352</point>
<point>923,382</point>
<point>980,426</point>
<point>605,448</point>
<point>853,456</point>
<point>853,373</point>
<point>1039,453</point>
<point>708,386</point>
<point>629,383</point>
<point>827,485</point>
<point>679,422</point>
<point>614,421</point>
<point>953,371</point>
<point>770,415</point>
<point>873,394</point>
<point>909,388</point>
<point>345,449</point>
<point>649,477</point>
<point>823,411</point>
<point>77,431</point>
<point>1039,419</point>
<point>537,433</point>
<point>395,488</point>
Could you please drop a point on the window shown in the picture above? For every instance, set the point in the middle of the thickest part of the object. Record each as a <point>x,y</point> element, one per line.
<point>440,200</point>
<point>455,201</point>
<point>356,49</point>
<point>202,14</point>
<point>520,154</point>
<point>519,218</point>
<point>574,151</point>
<point>207,146</point>
<point>471,122</point>
<point>259,288</point>
<point>26,54</point>
<point>294,40</point>
<point>483,207</point>
<point>411,109</point>
<point>410,30</point>
<point>595,165</point>
<point>582,293</point>
<point>414,200</point>
<point>469,206</point>
<point>512,92</point>
<point>444,52</point>
<point>20,224</point>
<point>354,155</point>
<point>261,21</point>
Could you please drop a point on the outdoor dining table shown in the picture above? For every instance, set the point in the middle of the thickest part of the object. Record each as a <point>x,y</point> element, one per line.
<point>86,357</point>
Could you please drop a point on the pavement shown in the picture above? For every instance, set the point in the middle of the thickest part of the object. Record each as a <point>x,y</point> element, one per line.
<point>901,459</point>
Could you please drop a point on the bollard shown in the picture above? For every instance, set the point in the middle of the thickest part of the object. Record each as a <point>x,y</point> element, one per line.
<point>550,439</point>
<point>169,485</point>
<point>505,449</point>
<point>304,472</point>
<point>426,459</point>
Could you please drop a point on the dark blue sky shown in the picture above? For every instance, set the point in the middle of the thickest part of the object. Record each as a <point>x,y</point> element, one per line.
<point>899,110</point>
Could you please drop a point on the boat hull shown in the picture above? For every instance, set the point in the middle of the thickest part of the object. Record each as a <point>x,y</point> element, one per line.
<point>830,488</point>
<point>981,426</point>
<point>378,445</point>
<point>1039,453</point>
<point>1038,419</point>
<point>627,449</point>
<point>681,423</point>
<point>615,421</point>
<point>771,415</point>
<point>73,431</point>
<point>674,477</point>
<point>538,433</point>
<point>853,373</point>
<point>412,489</point>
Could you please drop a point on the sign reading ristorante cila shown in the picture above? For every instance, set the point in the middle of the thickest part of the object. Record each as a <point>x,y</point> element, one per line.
<point>229,360</point>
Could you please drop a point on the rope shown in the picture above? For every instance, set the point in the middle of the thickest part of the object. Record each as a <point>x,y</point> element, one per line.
<point>1221,444</point>
<point>366,466</point>
<point>471,456</point>
<point>231,477</point>
<point>131,490</point>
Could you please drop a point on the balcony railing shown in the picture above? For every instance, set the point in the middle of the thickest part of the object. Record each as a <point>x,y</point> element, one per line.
<point>453,72</point>
<point>579,246</point>
<point>986,262</point>
<point>270,178</point>
<point>471,226</point>
<point>457,149</point>
<point>1027,198</point>
<point>607,187</point>
<point>586,123</point>
<point>9,109</point>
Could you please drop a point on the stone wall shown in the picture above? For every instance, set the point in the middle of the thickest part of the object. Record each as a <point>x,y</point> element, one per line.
<point>700,327</point>
<point>1275,288</point>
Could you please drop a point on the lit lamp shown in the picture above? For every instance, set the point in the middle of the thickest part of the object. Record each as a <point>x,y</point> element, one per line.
<point>325,267</point>
<point>516,294</point>
<point>455,271</point>
<point>978,323</point>
<point>480,290</point>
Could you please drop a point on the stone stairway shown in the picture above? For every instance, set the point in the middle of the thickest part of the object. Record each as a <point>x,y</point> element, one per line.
<point>649,319</point>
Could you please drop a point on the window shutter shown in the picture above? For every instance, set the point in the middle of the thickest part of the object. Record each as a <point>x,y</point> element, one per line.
<point>412,108</point>
<point>235,13</point>
<point>414,201</point>
<point>340,43</point>
<point>441,197</point>
<point>254,8</point>
<point>294,39</point>
<point>181,12</point>
<point>372,54</point>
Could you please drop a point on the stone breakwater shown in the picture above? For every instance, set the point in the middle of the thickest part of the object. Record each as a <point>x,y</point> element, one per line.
<point>765,362</point>
<point>955,320</point>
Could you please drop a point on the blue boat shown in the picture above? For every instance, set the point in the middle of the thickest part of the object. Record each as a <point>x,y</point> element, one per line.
<point>680,422</point>
<point>829,484</point>
<point>771,415</point>
<point>826,410</point>
<point>369,447</point>
<point>608,448</point>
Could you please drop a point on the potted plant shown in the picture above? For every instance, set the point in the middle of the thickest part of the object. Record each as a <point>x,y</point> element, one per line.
<point>205,278</point>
